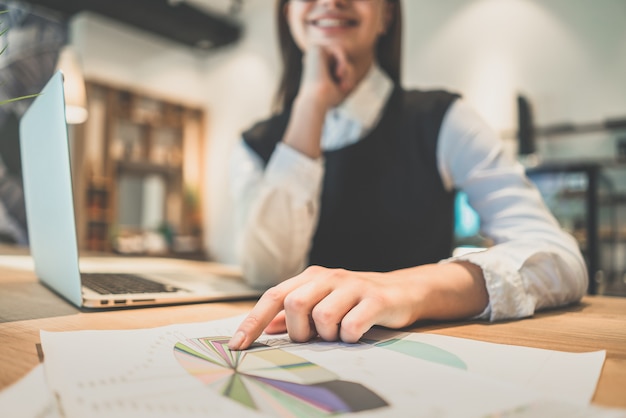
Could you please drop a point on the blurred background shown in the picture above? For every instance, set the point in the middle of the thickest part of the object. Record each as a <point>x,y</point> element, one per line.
<point>164,89</point>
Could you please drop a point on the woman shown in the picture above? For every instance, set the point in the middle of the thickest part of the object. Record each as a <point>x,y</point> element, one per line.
<point>356,177</point>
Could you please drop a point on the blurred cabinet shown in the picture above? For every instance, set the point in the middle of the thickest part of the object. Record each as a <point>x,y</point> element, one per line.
<point>97,214</point>
<point>138,167</point>
<point>581,200</point>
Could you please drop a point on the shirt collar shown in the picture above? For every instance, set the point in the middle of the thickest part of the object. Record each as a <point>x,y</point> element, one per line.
<point>365,104</point>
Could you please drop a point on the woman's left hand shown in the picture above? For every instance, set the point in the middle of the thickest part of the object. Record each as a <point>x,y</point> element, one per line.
<point>332,303</point>
<point>343,305</point>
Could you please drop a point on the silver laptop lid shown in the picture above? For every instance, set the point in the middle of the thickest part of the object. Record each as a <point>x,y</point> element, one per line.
<point>48,191</point>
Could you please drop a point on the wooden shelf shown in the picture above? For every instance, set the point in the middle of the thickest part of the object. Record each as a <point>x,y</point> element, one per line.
<point>130,139</point>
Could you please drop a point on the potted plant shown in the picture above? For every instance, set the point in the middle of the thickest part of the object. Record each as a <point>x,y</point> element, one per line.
<point>3,31</point>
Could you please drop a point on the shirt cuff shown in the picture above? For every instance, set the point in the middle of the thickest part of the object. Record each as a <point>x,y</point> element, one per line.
<point>300,175</point>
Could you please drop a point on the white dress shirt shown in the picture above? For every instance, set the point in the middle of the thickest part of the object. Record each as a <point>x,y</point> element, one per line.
<point>533,264</point>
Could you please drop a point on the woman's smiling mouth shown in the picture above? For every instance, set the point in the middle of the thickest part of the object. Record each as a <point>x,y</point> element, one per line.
<point>332,22</point>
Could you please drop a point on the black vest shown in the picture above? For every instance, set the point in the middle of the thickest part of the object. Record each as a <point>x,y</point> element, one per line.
<point>383,204</point>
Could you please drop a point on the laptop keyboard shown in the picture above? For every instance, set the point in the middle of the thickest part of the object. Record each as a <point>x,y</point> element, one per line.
<point>120,283</point>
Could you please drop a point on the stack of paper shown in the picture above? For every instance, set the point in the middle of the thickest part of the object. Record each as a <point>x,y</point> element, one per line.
<point>187,370</point>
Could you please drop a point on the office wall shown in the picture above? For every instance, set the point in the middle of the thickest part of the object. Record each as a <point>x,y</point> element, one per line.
<point>567,56</point>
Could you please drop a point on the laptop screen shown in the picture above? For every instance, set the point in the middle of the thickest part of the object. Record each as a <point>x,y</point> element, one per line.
<point>48,191</point>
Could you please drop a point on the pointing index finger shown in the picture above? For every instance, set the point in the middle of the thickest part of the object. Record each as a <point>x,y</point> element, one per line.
<point>269,305</point>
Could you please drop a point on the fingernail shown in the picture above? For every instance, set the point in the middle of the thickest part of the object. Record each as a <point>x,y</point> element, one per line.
<point>236,341</point>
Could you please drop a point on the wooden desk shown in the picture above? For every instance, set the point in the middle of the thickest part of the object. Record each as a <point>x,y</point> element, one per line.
<point>598,323</point>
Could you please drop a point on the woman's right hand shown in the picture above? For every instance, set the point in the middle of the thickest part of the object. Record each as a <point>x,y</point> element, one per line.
<point>327,77</point>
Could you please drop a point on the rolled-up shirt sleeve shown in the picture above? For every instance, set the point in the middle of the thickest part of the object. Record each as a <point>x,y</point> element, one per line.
<point>276,212</point>
<point>533,263</point>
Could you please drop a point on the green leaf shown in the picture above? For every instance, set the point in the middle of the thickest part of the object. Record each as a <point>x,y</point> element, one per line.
<point>30,96</point>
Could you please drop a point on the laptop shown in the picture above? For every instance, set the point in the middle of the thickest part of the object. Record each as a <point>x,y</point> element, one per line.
<point>49,200</point>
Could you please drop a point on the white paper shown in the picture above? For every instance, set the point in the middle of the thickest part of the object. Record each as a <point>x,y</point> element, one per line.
<point>135,373</point>
<point>570,377</point>
<point>30,397</point>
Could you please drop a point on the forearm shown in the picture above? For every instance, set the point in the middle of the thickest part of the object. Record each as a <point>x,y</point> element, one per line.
<point>304,130</point>
<point>281,220</point>
<point>445,291</point>
<point>276,211</point>
<point>533,264</point>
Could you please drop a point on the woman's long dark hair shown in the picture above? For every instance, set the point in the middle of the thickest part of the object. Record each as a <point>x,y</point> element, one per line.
<point>388,54</point>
